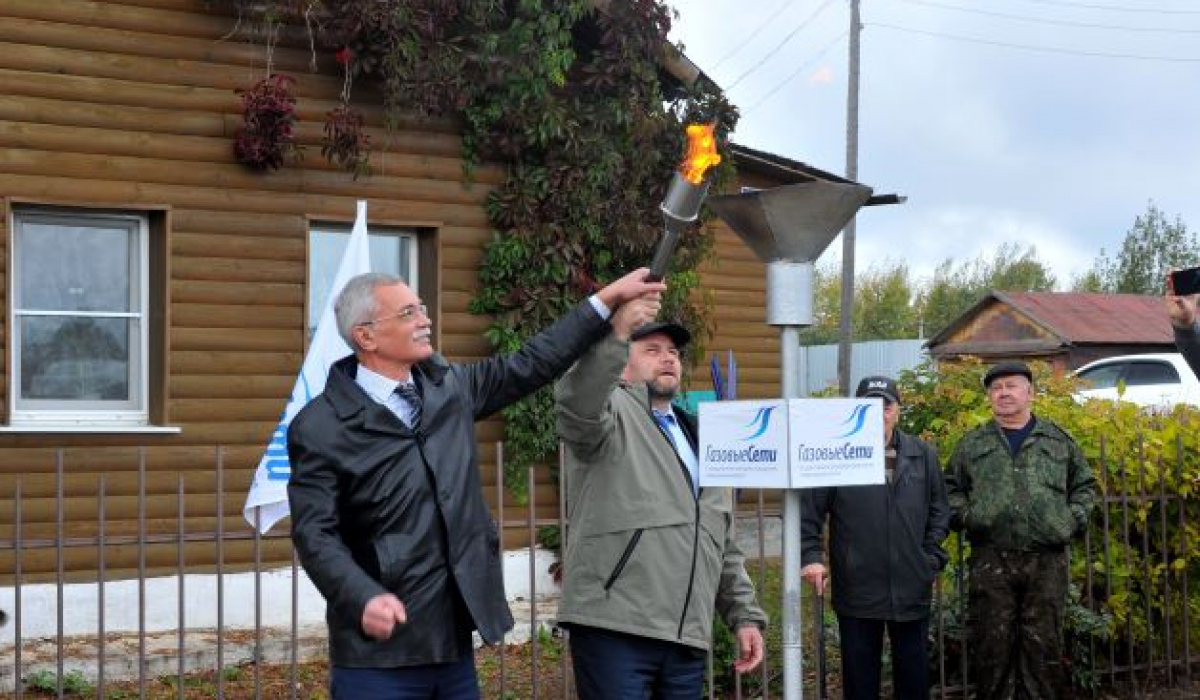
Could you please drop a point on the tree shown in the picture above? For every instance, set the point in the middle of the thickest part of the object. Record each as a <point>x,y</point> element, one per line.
<point>955,288</point>
<point>1152,247</point>
<point>889,305</point>
<point>883,304</point>
<point>827,296</point>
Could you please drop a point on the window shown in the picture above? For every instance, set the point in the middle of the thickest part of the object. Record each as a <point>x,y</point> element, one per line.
<point>1104,376</point>
<point>393,251</point>
<point>1151,373</point>
<point>79,323</point>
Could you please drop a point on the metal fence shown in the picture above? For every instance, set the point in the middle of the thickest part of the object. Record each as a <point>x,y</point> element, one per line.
<point>1152,608</point>
<point>886,357</point>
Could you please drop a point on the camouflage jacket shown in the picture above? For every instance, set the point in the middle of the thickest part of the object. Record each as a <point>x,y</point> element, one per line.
<point>1035,500</point>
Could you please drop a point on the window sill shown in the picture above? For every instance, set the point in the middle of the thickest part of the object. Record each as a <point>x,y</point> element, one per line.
<point>97,429</point>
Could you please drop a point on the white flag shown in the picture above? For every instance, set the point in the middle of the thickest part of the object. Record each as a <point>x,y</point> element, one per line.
<point>269,490</point>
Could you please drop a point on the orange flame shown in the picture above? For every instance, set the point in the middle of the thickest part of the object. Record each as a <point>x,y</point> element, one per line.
<point>701,152</point>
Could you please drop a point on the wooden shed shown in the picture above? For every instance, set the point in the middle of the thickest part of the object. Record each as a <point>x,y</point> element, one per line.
<point>160,293</point>
<point>1065,329</point>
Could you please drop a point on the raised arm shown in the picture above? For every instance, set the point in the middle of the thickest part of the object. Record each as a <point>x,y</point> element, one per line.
<point>503,380</point>
<point>581,397</point>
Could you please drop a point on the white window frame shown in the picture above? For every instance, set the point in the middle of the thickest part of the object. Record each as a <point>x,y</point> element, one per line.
<point>410,276</point>
<point>34,414</point>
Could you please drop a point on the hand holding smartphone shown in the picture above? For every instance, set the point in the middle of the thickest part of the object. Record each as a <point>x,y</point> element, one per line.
<point>1185,282</point>
<point>1182,289</point>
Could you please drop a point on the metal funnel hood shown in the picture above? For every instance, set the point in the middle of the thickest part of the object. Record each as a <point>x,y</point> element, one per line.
<point>792,222</point>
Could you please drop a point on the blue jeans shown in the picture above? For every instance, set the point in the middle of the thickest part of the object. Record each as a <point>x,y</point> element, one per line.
<point>455,680</point>
<point>862,652</point>
<point>615,666</point>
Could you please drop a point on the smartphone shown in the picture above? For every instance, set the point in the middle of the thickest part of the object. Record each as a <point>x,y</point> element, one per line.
<point>1186,282</point>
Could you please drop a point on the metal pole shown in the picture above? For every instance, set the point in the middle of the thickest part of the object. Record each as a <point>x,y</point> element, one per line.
<point>793,662</point>
<point>846,315</point>
<point>807,215</point>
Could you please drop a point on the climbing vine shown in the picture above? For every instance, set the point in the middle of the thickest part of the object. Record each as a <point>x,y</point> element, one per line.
<point>574,101</point>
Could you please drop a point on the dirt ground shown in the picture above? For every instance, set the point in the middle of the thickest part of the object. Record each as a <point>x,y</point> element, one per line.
<point>505,674</point>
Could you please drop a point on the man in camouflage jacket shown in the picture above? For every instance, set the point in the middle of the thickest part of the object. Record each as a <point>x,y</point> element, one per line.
<point>1021,489</point>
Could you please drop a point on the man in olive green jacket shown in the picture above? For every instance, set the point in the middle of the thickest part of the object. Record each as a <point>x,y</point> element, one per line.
<point>1020,488</point>
<point>649,554</point>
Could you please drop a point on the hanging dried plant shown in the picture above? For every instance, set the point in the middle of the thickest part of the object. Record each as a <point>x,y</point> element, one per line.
<point>346,144</point>
<point>267,140</point>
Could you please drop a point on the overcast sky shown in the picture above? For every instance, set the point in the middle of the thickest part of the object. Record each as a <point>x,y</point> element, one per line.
<point>1049,123</point>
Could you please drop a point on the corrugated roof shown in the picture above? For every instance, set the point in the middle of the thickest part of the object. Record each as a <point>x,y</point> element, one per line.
<point>1096,318</point>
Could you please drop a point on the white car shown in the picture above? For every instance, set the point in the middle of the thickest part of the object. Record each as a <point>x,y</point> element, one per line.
<point>1158,380</point>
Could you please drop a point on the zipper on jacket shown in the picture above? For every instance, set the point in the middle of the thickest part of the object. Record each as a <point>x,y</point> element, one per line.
<point>616,572</point>
<point>687,599</point>
<point>694,492</point>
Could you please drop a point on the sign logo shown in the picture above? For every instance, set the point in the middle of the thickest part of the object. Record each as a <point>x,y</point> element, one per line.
<point>857,417</point>
<point>759,423</point>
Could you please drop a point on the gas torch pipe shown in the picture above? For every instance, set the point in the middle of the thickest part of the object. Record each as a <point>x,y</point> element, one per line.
<point>686,193</point>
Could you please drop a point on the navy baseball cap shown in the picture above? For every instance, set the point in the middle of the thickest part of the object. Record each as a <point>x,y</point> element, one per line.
<point>881,386</point>
<point>677,333</point>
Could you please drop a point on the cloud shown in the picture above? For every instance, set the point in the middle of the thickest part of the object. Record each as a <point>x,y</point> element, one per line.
<point>992,144</point>
<point>925,238</point>
<point>821,76</point>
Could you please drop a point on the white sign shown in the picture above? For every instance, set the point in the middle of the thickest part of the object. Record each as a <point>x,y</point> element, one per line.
<point>744,444</point>
<point>793,443</point>
<point>836,442</point>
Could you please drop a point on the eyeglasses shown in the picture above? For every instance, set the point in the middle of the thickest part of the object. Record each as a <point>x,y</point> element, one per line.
<point>404,315</point>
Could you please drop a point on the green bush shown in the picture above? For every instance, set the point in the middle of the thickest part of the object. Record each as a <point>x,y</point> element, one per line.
<point>73,683</point>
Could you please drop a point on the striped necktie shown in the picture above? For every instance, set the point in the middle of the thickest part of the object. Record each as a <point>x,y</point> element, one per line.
<point>408,392</point>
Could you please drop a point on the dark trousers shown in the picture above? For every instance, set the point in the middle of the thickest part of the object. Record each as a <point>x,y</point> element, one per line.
<point>862,652</point>
<point>1016,604</point>
<point>615,666</point>
<point>455,680</point>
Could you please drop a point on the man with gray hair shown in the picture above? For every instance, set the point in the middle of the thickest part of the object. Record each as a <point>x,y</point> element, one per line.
<point>388,516</point>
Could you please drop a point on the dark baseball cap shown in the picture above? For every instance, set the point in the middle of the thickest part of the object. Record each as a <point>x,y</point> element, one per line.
<point>1008,368</point>
<point>884,387</point>
<point>677,333</point>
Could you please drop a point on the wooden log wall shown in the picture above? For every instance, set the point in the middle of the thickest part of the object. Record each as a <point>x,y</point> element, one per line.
<point>132,104</point>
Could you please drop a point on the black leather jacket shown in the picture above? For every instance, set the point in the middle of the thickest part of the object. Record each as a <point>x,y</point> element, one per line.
<point>377,508</point>
<point>885,541</point>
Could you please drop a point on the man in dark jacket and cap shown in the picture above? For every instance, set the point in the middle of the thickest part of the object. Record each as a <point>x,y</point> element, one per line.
<point>388,516</point>
<point>885,544</point>
<point>1020,489</point>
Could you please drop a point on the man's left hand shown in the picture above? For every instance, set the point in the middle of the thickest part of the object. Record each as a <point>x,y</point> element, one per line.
<point>750,643</point>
